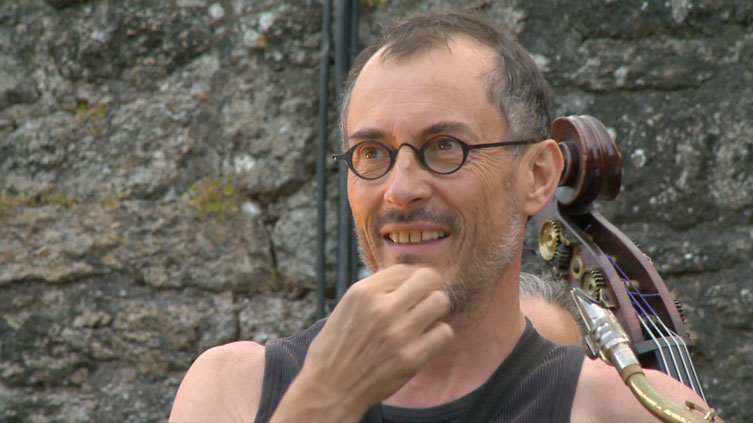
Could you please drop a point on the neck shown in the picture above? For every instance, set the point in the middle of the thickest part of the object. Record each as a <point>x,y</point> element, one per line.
<point>484,336</point>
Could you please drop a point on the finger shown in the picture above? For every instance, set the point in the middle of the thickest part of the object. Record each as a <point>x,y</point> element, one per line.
<point>371,288</point>
<point>421,283</point>
<point>430,343</point>
<point>389,279</point>
<point>425,313</point>
<point>435,306</point>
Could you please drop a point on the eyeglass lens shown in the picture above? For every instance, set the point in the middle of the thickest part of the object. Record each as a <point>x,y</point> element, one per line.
<point>440,154</point>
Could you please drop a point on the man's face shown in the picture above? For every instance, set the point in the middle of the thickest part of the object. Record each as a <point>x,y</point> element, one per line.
<point>466,224</point>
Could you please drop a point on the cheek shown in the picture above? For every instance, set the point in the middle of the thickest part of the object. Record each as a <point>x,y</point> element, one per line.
<point>478,203</point>
<point>493,202</point>
<point>493,182</point>
<point>364,202</point>
<point>357,198</point>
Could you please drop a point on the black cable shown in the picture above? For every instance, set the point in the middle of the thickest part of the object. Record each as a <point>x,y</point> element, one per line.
<point>321,168</point>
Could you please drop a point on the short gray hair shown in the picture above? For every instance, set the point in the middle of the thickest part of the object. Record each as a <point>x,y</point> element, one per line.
<point>555,292</point>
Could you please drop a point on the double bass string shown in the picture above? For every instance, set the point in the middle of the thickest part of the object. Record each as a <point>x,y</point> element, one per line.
<point>648,316</point>
<point>642,314</point>
<point>679,344</point>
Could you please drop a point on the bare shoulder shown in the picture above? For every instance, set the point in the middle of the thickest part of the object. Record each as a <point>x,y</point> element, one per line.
<point>223,384</point>
<point>601,395</point>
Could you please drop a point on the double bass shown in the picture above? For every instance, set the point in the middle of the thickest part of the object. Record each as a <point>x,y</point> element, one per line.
<point>632,320</point>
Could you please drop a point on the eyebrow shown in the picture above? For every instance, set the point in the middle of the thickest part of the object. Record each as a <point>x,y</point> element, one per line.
<point>437,128</point>
<point>367,133</point>
<point>445,126</point>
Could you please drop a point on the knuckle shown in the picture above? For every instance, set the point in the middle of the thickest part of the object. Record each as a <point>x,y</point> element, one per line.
<point>358,291</point>
<point>406,360</point>
<point>428,276</point>
<point>441,299</point>
<point>380,311</point>
<point>396,334</point>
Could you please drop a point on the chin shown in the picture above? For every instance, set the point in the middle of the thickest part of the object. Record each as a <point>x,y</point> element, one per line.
<point>408,259</point>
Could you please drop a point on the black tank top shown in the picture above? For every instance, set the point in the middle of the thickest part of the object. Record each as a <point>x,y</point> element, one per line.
<point>544,394</point>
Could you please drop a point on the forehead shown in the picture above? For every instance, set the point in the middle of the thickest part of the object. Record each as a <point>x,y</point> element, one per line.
<point>403,96</point>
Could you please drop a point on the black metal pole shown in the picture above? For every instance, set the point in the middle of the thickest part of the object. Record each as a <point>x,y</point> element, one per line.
<point>321,168</point>
<point>343,208</point>
<point>353,50</point>
<point>345,33</point>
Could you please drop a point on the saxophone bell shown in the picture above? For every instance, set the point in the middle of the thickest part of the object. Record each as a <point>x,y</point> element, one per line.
<point>607,339</point>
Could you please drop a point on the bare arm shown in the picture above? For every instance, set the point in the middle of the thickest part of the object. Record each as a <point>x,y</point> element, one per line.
<point>222,385</point>
<point>601,395</point>
<point>382,332</point>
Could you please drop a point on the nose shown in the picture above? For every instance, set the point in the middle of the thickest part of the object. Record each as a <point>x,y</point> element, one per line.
<point>407,182</point>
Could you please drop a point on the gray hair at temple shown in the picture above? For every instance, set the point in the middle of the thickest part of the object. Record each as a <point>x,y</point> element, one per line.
<point>515,85</point>
<point>553,292</point>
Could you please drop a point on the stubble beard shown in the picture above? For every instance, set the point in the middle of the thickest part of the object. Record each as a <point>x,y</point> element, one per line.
<point>485,268</point>
<point>478,274</point>
<point>371,258</point>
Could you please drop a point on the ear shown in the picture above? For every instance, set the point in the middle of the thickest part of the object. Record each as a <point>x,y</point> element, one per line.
<point>543,168</point>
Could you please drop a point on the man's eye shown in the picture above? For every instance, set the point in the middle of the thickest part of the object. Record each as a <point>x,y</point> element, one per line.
<point>444,144</point>
<point>370,152</point>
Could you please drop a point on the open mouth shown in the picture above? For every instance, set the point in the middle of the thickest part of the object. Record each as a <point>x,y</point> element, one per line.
<point>413,237</point>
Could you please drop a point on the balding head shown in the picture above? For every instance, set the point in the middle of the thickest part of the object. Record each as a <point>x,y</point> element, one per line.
<point>514,83</point>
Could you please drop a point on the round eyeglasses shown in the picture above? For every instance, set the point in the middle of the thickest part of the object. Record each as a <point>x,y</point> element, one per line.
<point>441,154</point>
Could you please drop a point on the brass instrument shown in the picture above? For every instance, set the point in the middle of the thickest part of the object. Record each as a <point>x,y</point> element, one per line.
<point>607,340</point>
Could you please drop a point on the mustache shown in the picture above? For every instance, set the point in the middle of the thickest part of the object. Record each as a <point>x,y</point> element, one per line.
<point>446,219</point>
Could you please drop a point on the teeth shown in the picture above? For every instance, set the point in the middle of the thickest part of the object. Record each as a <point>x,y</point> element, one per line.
<point>404,237</point>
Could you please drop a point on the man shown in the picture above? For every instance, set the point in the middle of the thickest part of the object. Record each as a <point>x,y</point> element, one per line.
<point>551,309</point>
<point>434,330</point>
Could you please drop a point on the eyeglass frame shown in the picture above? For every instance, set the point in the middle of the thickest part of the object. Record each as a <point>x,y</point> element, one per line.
<point>347,156</point>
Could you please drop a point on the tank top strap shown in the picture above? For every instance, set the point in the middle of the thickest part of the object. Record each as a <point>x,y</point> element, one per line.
<point>283,359</point>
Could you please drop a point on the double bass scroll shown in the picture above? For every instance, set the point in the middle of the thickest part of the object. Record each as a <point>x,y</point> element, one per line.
<point>589,253</point>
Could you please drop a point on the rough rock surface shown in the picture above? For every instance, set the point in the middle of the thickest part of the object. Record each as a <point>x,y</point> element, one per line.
<point>157,192</point>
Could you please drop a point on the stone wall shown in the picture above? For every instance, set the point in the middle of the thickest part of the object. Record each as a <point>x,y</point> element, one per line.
<point>157,191</point>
